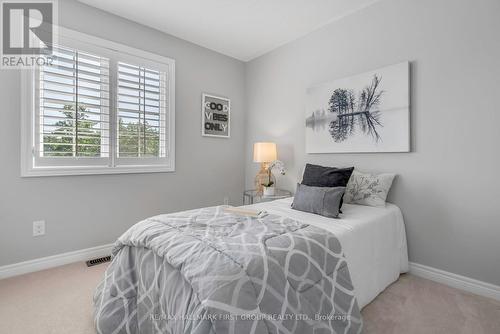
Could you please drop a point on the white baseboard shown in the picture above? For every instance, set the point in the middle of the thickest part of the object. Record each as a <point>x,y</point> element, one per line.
<point>54,261</point>
<point>457,281</point>
<point>437,275</point>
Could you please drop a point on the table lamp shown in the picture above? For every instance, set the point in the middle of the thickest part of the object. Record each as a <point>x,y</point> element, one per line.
<point>264,153</point>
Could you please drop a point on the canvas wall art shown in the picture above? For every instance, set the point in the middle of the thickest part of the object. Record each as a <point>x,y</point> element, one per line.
<point>369,112</point>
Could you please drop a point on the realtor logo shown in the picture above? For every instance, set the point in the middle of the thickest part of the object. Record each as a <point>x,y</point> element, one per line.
<point>27,32</point>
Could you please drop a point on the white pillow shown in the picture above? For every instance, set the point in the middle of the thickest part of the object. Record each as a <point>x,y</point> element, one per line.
<point>368,189</point>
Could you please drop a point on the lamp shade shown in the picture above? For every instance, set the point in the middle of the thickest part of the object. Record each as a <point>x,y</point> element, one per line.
<point>264,152</point>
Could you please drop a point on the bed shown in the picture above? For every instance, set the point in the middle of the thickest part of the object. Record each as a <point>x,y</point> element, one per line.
<point>373,240</point>
<point>206,271</point>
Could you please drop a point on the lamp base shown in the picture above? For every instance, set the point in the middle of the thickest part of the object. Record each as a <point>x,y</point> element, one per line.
<point>264,176</point>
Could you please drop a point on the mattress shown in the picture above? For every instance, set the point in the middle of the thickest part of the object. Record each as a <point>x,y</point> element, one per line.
<point>373,240</point>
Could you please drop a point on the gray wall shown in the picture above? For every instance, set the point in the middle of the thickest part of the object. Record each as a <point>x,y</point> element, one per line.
<point>448,187</point>
<point>87,211</point>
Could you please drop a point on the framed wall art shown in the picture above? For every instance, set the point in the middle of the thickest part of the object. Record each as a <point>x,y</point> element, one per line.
<point>216,116</point>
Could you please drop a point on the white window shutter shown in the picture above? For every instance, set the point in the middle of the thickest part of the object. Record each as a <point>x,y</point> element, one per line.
<point>73,119</point>
<point>141,112</point>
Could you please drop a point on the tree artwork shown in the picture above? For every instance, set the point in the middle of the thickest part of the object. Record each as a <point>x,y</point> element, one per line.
<point>352,113</point>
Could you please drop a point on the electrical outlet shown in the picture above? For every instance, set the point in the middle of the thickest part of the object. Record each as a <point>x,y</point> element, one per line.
<point>226,200</point>
<point>38,228</point>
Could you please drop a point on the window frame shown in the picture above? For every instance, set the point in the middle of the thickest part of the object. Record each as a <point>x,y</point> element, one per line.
<point>115,52</point>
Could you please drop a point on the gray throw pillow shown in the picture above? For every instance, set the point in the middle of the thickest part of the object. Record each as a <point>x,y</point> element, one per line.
<point>324,201</point>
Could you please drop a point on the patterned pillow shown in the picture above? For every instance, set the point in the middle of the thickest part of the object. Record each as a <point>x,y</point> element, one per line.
<point>368,189</point>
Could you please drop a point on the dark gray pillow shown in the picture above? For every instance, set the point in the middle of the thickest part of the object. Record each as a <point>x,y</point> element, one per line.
<point>324,201</point>
<point>319,176</point>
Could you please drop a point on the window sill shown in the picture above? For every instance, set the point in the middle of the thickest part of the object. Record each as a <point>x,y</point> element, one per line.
<point>100,170</point>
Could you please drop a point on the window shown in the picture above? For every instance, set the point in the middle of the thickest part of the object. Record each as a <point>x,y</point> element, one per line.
<point>100,107</point>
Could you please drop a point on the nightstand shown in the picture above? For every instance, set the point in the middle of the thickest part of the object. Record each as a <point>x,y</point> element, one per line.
<point>254,196</point>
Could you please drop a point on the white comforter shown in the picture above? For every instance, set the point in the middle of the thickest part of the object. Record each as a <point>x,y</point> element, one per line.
<point>373,239</point>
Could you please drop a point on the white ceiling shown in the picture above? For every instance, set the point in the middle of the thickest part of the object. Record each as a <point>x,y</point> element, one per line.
<point>243,29</point>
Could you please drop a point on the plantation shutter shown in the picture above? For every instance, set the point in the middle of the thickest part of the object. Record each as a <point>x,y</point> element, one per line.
<point>141,112</point>
<point>73,119</point>
<point>98,107</point>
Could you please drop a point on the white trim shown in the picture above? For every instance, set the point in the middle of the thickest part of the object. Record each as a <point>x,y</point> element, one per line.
<point>66,171</point>
<point>112,165</point>
<point>114,46</point>
<point>456,281</point>
<point>54,261</point>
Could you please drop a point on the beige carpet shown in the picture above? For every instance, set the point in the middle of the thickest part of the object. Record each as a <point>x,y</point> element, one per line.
<point>414,305</point>
<point>59,301</point>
